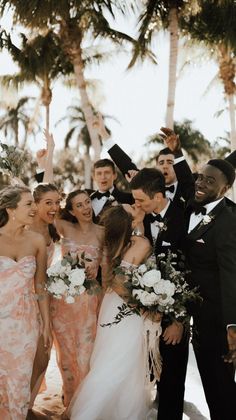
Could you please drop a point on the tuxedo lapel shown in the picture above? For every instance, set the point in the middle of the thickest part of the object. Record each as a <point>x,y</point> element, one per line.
<point>202,227</point>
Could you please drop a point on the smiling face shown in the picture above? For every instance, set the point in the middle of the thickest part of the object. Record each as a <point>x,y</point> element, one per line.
<point>165,165</point>
<point>104,178</point>
<point>82,207</point>
<point>25,210</point>
<point>48,206</point>
<point>211,185</point>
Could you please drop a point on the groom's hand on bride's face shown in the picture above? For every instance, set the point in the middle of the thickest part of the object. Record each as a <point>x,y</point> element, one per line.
<point>173,333</point>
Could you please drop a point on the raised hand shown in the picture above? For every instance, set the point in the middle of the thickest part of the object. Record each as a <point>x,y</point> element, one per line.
<point>130,174</point>
<point>41,157</point>
<point>43,154</point>
<point>170,139</point>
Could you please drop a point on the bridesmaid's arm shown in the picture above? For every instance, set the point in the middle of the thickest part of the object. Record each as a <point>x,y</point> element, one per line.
<point>43,297</point>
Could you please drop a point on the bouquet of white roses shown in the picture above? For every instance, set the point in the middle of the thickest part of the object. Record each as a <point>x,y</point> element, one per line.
<point>67,278</point>
<point>156,286</point>
<point>12,160</point>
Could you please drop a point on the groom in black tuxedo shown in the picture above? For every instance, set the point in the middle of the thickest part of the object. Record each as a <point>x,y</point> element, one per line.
<point>164,225</point>
<point>211,256</point>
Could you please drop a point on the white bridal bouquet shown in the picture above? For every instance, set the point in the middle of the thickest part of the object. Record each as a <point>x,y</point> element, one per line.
<point>67,278</point>
<point>151,289</point>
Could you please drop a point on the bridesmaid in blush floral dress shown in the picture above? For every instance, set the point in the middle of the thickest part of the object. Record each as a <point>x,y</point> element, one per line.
<point>47,200</point>
<point>74,325</point>
<point>22,270</point>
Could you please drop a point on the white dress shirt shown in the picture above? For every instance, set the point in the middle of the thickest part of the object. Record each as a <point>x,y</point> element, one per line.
<point>195,219</point>
<point>155,225</point>
<point>98,204</point>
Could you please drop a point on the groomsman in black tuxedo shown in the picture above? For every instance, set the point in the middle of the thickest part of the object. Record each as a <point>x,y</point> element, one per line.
<point>104,175</point>
<point>211,256</point>
<point>179,179</point>
<point>165,227</point>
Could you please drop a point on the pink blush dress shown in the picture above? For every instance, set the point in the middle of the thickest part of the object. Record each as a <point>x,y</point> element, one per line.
<point>19,332</point>
<point>74,327</point>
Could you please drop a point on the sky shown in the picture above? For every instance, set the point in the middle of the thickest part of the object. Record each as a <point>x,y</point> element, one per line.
<point>137,98</point>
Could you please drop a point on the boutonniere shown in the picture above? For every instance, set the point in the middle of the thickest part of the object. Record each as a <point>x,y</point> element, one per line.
<point>111,198</point>
<point>206,220</point>
<point>162,225</point>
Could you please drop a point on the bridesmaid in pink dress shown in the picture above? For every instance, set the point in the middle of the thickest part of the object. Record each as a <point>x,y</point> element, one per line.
<point>47,200</point>
<point>74,325</point>
<point>22,270</point>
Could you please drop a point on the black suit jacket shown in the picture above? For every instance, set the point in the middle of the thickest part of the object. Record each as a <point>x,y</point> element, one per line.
<point>171,238</point>
<point>184,188</point>
<point>211,257</point>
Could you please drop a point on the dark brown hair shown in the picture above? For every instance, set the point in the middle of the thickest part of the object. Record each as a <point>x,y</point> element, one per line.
<point>118,229</point>
<point>38,194</point>
<point>65,213</point>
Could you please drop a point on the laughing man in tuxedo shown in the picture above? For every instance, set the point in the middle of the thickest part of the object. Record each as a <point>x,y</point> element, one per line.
<point>104,175</point>
<point>148,189</point>
<point>211,256</point>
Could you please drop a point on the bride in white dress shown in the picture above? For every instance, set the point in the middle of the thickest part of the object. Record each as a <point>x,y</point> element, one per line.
<point>115,387</point>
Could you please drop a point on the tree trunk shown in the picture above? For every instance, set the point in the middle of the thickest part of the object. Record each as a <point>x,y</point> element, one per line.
<point>87,169</point>
<point>173,55</point>
<point>16,130</point>
<point>47,120</point>
<point>86,106</point>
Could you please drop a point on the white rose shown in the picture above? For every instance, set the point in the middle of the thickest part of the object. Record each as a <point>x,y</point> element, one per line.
<point>150,278</point>
<point>164,287</point>
<point>165,300</point>
<point>142,268</point>
<point>137,293</point>
<point>77,276</point>
<point>70,299</point>
<point>57,288</point>
<point>54,270</point>
<point>149,299</point>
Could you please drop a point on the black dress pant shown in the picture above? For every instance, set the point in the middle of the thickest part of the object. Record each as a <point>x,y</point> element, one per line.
<point>172,382</point>
<point>217,378</point>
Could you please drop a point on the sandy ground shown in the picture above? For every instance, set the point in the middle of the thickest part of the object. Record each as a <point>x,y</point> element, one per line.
<point>50,406</point>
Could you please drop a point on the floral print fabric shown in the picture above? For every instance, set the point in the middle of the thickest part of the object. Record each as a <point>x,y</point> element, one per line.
<point>74,327</point>
<point>19,331</point>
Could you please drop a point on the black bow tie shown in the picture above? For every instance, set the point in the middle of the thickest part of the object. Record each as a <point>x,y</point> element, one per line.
<point>156,218</point>
<point>200,209</point>
<point>99,195</point>
<point>170,188</point>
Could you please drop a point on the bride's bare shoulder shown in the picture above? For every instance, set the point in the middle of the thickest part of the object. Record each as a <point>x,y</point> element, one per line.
<point>140,241</point>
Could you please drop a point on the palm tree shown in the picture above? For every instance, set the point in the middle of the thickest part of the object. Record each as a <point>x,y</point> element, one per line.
<point>15,117</point>
<point>73,21</point>
<point>192,141</point>
<point>79,129</point>
<point>165,14</point>
<point>41,61</point>
<point>214,26</point>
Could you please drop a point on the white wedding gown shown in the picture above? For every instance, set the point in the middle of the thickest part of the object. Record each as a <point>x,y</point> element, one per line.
<point>114,389</point>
